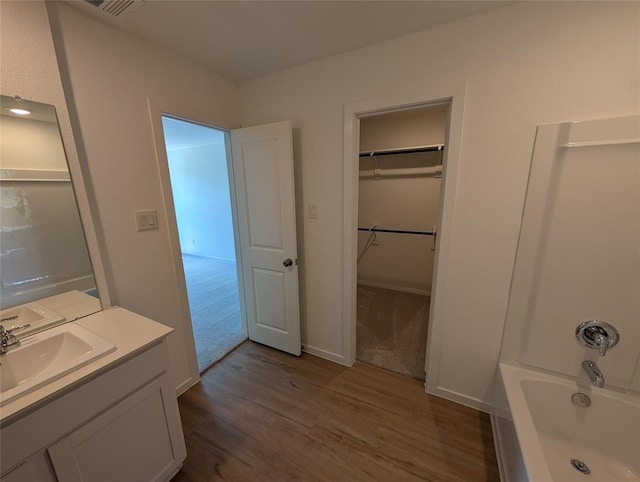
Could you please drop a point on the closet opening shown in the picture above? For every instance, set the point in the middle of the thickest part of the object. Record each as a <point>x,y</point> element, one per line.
<point>401,155</point>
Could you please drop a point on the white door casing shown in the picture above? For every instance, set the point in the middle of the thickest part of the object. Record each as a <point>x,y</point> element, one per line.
<point>265,199</point>
<point>454,93</point>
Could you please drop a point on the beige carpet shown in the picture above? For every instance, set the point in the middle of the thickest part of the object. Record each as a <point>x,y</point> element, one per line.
<point>212,286</point>
<point>392,330</point>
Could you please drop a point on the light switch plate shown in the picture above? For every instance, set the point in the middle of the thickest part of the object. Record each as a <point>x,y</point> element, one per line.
<point>146,220</point>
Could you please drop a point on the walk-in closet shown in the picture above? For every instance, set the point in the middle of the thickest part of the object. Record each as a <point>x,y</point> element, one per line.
<point>400,174</point>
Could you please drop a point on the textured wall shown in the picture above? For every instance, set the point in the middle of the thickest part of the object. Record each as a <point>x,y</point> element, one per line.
<point>526,64</point>
<point>115,129</point>
<point>30,70</point>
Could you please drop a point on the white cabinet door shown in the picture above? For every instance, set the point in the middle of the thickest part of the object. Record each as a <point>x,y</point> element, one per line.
<point>130,442</point>
<point>263,176</point>
<point>35,468</point>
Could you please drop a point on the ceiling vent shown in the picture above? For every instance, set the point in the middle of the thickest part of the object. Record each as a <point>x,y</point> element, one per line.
<point>116,8</point>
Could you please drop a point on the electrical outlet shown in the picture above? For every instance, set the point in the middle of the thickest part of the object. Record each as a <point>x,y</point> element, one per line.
<point>313,211</point>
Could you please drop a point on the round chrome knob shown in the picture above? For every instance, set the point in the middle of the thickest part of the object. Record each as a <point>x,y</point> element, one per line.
<point>287,262</point>
<point>597,334</point>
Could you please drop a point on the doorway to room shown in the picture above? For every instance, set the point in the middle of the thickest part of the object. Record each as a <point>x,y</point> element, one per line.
<point>399,192</point>
<point>200,179</point>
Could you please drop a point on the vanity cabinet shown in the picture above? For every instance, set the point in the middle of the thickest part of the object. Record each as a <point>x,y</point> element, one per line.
<point>135,435</point>
<point>122,424</point>
<point>36,468</point>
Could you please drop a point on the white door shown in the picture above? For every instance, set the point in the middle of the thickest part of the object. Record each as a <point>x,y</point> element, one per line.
<point>263,176</point>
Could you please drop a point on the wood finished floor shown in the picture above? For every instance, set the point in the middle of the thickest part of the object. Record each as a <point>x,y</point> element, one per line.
<point>260,414</point>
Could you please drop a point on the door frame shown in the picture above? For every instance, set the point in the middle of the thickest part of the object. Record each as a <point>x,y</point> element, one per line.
<point>453,93</point>
<point>195,116</point>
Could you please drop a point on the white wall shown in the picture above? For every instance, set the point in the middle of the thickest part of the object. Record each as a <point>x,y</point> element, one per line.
<point>407,128</point>
<point>29,69</point>
<point>111,75</point>
<point>407,196</point>
<point>28,66</point>
<point>200,185</point>
<point>526,64</point>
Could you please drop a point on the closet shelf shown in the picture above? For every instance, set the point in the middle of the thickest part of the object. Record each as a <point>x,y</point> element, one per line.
<point>404,150</point>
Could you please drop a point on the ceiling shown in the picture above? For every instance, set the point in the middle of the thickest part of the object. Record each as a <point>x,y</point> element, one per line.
<point>242,40</point>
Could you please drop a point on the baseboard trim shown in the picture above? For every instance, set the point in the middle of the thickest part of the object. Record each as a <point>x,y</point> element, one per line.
<point>465,400</point>
<point>186,385</point>
<point>327,355</point>
<point>498,445</point>
<point>510,462</point>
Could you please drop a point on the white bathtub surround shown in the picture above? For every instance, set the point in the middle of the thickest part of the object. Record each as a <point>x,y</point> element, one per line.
<point>578,257</point>
<point>552,431</point>
<point>574,292</point>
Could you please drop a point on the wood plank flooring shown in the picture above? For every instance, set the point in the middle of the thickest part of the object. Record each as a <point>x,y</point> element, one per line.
<point>260,414</point>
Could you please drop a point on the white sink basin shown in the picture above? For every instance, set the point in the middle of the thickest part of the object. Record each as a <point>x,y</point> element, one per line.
<point>47,356</point>
<point>35,315</point>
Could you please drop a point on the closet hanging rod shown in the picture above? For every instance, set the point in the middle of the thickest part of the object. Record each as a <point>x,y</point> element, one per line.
<point>406,150</point>
<point>397,231</point>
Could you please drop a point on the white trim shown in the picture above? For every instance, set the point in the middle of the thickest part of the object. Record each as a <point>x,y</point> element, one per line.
<point>453,92</point>
<point>460,398</point>
<point>608,142</point>
<point>81,182</point>
<point>498,444</point>
<point>508,454</point>
<point>236,233</point>
<point>187,384</point>
<point>194,115</point>
<point>327,355</point>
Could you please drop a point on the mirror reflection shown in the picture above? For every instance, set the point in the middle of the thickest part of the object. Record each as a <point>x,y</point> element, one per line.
<point>46,276</point>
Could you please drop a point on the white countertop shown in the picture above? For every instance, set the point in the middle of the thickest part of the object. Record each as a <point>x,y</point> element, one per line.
<point>128,331</point>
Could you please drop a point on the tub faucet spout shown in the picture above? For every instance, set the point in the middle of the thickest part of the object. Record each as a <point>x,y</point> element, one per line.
<point>594,373</point>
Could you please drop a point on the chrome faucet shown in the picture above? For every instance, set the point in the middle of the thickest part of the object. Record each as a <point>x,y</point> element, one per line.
<point>594,373</point>
<point>597,334</point>
<point>8,340</point>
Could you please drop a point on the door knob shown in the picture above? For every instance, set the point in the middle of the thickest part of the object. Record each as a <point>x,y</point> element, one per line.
<point>287,262</point>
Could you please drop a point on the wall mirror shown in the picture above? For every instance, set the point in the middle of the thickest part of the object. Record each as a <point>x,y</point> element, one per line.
<point>46,277</point>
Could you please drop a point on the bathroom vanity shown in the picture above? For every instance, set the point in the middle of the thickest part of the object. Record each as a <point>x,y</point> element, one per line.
<point>85,394</point>
<point>112,417</point>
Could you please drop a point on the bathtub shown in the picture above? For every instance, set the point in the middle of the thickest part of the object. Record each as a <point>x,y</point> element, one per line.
<point>552,431</point>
